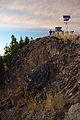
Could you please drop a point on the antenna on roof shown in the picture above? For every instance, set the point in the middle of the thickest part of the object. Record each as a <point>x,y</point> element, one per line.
<point>66,19</point>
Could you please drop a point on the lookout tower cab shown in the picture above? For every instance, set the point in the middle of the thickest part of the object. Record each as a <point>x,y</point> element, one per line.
<point>58,30</point>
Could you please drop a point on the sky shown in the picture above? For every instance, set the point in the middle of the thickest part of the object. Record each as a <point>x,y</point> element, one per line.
<point>33,18</point>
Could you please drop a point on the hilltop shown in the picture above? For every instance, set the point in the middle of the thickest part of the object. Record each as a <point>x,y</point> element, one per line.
<point>43,81</point>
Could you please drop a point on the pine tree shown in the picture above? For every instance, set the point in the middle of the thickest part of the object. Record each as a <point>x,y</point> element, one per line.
<point>14,46</point>
<point>21,42</point>
<point>11,50</point>
<point>26,40</point>
<point>1,64</point>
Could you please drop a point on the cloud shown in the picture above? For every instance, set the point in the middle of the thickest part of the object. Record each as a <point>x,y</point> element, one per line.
<point>38,14</point>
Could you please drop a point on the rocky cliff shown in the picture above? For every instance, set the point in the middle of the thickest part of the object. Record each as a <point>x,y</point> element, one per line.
<point>43,82</point>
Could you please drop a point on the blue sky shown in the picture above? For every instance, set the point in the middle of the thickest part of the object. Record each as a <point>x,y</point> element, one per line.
<point>35,17</point>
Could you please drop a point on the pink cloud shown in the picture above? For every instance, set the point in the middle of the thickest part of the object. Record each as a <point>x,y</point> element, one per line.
<point>34,13</point>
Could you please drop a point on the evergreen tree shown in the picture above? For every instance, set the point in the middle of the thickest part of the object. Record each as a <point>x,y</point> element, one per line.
<point>26,41</point>
<point>7,56</point>
<point>31,38</point>
<point>1,64</point>
<point>2,71</point>
<point>21,42</point>
<point>10,50</point>
<point>14,46</point>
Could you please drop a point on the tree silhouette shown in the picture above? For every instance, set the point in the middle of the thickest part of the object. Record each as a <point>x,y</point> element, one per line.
<point>26,40</point>
<point>1,64</point>
<point>13,48</point>
<point>21,42</point>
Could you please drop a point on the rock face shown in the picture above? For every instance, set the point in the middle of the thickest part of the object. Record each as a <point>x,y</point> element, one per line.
<point>46,64</point>
<point>73,113</point>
